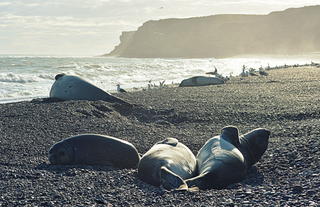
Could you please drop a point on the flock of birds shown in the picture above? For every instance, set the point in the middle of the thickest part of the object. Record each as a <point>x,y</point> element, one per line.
<point>246,72</point>
<point>252,72</point>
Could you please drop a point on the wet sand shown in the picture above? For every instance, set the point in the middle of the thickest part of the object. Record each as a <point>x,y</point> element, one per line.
<point>287,102</point>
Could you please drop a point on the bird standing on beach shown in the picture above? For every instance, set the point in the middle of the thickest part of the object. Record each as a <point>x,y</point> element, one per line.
<point>120,90</point>
<point>245,72</point>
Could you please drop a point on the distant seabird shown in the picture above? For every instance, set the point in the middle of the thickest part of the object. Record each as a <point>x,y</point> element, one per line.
<point>120,90</point>
<point>244,73</point>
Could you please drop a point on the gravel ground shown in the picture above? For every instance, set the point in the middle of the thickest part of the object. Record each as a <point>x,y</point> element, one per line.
<point>287,102</point>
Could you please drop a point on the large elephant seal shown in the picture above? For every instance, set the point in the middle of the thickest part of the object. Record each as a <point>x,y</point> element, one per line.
<point>94,149</point>
<point>167,164</point>
<point>68,87</point>
<point>225,159</point>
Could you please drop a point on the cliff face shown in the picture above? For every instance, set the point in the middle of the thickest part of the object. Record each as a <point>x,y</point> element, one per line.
<point>293,31</point>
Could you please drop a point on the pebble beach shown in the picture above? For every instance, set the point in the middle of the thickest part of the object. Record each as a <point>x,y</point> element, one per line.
<point>287,102</point>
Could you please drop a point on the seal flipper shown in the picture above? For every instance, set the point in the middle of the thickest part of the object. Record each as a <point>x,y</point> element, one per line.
<point>169,141</point>
<point>198,182</point>
<point>170,180</point>
<point>231,134</point>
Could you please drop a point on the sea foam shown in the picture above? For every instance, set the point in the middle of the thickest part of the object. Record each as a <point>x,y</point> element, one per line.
<point>24,78</point>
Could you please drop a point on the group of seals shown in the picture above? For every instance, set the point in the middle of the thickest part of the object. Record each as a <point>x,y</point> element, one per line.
<point>223,160</point>
<point>69,87</point>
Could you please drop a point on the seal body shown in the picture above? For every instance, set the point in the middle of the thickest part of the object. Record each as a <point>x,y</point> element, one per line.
<point>201,81</point>
<point>68,87</point>
<point>225,159</point>
<point>94,149</point>
<point>220,163</point>
<point>168,163</point>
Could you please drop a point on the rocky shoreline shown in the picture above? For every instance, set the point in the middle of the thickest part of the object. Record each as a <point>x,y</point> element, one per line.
<point>286,102</point>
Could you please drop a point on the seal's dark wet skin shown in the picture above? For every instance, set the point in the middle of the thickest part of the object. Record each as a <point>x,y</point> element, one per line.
<point>167,164</point>
<point>94,149</point>
<point>68,87</point>
<point>225,159</point>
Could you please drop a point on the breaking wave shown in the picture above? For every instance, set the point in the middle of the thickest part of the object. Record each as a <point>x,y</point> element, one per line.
<point>25,77</point>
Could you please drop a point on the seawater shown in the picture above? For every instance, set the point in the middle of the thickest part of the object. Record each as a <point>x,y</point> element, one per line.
<point>28,77</point>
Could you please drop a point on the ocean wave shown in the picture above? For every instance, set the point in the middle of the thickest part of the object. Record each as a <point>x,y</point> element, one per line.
<point>93,66</point>
<point>46,76</point>
<point>66,66</point>
<point>15,78</point>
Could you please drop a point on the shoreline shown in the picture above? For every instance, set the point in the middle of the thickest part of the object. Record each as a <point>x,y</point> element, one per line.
<point>157,85</point>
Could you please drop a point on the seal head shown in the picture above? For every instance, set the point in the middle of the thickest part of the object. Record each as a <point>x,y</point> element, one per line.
<point>59,76</point>
<point>94,149</point>
<point>254,144</point>
<point>61,153</point>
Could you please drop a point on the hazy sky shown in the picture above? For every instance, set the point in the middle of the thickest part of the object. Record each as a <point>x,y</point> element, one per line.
<point>93,27</point>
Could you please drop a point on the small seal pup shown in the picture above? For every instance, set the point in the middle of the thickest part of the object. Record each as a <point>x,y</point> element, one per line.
<point>94,149</point>
<point>167,164</point>
<point>68,87</point>
<point>225,159</point>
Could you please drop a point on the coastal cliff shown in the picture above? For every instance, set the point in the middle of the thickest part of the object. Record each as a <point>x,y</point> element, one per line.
<point>288,32</point>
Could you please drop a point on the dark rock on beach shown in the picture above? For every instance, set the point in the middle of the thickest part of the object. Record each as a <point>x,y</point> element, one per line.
<point>287,102</point>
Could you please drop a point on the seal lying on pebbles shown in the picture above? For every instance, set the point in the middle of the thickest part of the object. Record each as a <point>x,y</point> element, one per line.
<point>94,149</point>
<point>225,159</point>
<point>68,87</point>
<point>201,81</point>
<point>167,164</point>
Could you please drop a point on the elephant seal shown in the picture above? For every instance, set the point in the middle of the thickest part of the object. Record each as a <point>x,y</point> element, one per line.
<point>225,159</point>
<point>167,164</point>
<point>94,149</point>
<point>201,81</point>
<point>68,87</point>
